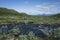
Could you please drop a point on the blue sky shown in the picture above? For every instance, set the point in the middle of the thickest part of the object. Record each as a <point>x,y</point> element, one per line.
<point>33,7</point>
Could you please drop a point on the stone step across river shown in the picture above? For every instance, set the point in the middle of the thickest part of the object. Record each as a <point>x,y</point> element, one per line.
<point>25,29</point>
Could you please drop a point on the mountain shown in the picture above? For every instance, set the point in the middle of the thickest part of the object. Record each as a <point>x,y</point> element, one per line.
<point>48,14</point>
<point>45,14</point>
<point>12,16</point>
<point>6,11</point>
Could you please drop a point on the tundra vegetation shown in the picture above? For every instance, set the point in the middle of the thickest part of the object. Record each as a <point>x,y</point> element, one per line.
<point>9,16</point>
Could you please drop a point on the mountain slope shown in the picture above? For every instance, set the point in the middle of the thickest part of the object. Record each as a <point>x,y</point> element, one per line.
<point>10,15</point>
<point>5,11</point>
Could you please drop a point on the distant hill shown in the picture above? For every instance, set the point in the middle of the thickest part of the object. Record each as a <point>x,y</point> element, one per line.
<point>6,11</point>
<point>44,15</point>
<point>57,15</point>
<point>12,16</point>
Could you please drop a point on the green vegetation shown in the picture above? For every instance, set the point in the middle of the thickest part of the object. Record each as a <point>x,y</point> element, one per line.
<point>30,36</point>
<point>12,16</point>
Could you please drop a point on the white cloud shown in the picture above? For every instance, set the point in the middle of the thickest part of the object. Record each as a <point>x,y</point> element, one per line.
<point>48,8</point>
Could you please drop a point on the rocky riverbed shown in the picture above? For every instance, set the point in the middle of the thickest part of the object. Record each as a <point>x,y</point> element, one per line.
<point>40,30</point>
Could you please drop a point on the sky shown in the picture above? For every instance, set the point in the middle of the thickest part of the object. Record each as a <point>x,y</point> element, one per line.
<point>33,7</point>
